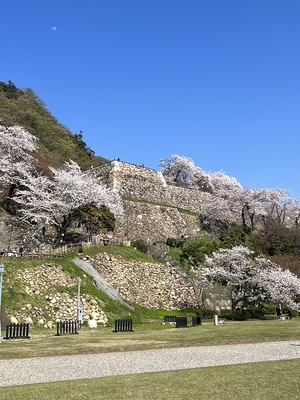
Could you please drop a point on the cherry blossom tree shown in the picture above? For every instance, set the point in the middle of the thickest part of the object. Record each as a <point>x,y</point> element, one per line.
<point>230,203</point>
<point>182,171</point>
<point>277,222</point>
<point>51,201</point>
<point>281,209</point>
<point>234,269</point>
<point>282,286</point>
<point>17,146</point>
<point>224,183</point>
<point>248,279</point>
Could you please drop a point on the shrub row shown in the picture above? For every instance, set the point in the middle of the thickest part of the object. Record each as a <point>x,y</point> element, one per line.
<point>251,312</point>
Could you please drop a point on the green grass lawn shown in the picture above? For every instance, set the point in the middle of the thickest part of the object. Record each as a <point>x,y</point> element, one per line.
<point>148,336</point>
<point>264,380</point>
<point>272,380</point>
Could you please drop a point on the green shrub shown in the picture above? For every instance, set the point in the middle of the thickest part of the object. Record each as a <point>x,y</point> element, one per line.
<point>235,315</point>
<point>206,313</point>
<point>256,312</point>
<point>270,309</point>
<point>140,245</point>
<point>194,251</point>
<point>72,237</point>
<point>290,311</point>
<point>251,312</point>
<point>235,236</point>
<point>173,242</point>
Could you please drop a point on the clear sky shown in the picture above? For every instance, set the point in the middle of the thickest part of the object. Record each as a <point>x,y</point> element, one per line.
<point>214,80</point>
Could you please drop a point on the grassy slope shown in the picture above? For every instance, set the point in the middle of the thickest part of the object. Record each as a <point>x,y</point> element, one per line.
<point>13,298</point>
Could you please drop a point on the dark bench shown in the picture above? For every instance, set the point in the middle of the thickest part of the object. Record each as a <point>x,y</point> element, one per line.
<point>196,320</point>
<point>123,325</point>
<point>17,331</point>
<point>170,319</point>
<point>181,322</point>
<point>66,328</point>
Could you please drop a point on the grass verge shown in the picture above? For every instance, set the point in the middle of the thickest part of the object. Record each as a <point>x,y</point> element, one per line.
<point>276,380</point>
<point>152,335</point>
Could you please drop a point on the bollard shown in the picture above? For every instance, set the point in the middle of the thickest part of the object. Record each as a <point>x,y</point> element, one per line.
<point>216,322</point>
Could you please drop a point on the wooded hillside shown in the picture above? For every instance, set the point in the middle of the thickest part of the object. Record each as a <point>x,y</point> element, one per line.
<point>56,143</point>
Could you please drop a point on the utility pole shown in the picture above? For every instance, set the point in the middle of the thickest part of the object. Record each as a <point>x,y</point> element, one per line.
<point>79,309</point>
<point>1,273</point>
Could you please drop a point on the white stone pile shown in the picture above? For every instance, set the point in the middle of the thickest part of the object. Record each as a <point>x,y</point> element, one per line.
<point>42,282</point>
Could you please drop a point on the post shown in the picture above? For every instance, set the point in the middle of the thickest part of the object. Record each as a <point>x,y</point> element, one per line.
<point>1,273</point>
<point>79,310</point>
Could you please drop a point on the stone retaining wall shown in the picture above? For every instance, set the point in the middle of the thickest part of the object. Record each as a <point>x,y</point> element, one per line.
<point>152,208</point>
<point>39,283</point>
<point>142,221</point>
<point>147,184</point>
<point>153,285</point>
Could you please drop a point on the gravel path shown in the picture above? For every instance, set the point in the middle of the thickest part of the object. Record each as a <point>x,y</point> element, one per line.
<point>51,369</point>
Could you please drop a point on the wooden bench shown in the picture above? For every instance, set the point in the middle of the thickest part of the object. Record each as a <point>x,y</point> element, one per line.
<point>123,325</point>
<point>66,328</point>
<point>196,320</point>
<point>170,319</point>
<point>181,322</point>
<point>17,331</point>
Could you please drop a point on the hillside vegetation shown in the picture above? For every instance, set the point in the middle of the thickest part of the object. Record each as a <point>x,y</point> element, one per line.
<point>30,285</point>
<point>56,143</point>
<point>242,228</point>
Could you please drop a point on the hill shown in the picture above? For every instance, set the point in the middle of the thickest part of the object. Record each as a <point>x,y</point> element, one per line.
<point>56,143</point>
<point>43,291</point>
<point>156,211</point>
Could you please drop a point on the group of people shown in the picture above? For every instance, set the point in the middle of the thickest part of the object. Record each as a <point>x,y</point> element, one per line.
<point>279,314</point>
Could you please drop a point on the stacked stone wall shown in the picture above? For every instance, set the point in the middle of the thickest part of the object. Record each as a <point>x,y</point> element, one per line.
<point>102,172</point>
<point>147,184</point>
<point>188,199</point>
<point>153,285</point>
<point>142,221</point>
<point>48,305</point>
<point>159,218</point>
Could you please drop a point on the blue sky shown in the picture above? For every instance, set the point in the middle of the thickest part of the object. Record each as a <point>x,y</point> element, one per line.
<point>216,80</point>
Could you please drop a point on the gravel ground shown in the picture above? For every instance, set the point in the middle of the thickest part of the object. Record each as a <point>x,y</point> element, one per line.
<point>52,369</point>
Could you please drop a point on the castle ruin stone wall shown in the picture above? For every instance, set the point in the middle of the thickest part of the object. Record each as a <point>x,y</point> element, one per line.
<point>143,221</point>
<point>142,183</point>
